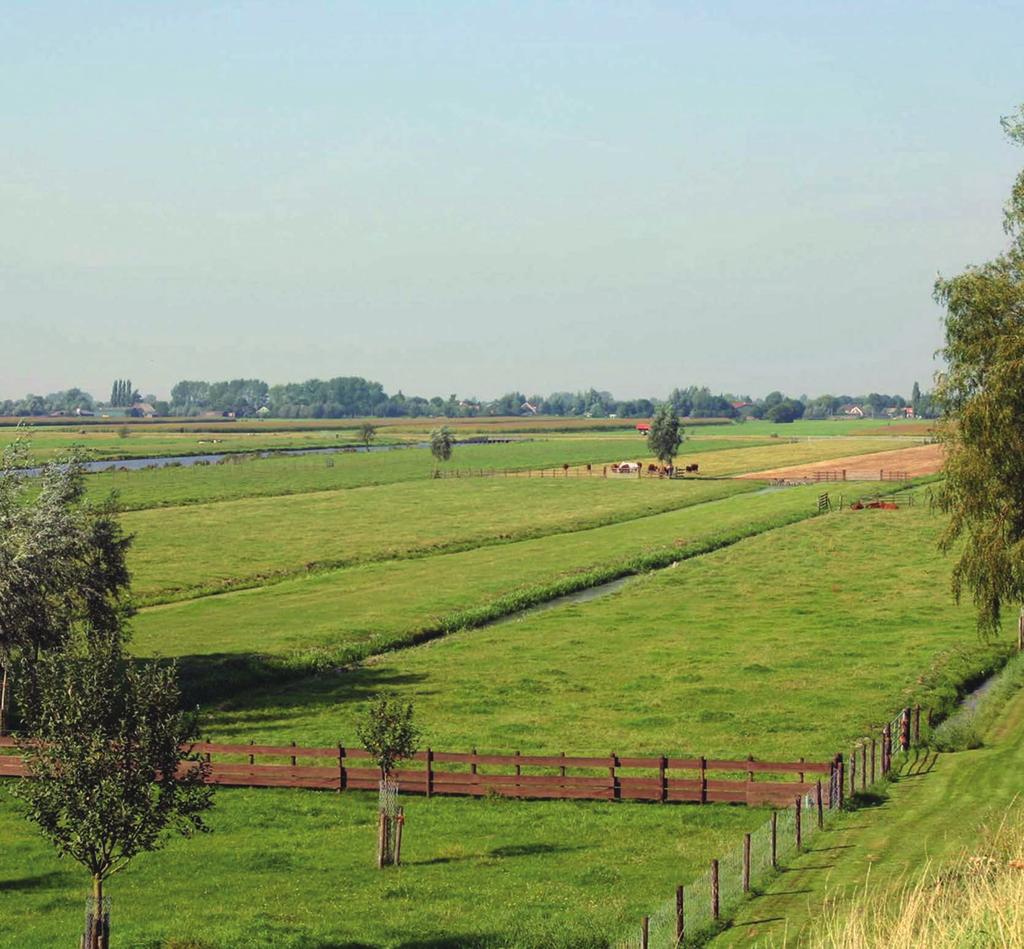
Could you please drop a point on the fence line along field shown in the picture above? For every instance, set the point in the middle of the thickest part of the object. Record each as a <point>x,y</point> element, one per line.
<point>913,462</point>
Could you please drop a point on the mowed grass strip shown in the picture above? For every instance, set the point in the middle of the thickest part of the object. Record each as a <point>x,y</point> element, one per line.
<point>180,552</point>
<point>360,610</point>
<point>295,869</point>
<point>243,476</point>
<point>786,644</point>
<point>782,454</point>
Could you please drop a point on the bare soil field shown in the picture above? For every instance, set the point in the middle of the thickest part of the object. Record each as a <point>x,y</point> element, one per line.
<point>913,462</point>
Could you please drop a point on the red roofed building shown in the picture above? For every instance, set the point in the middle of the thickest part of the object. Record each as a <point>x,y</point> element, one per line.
<point>643,427</point>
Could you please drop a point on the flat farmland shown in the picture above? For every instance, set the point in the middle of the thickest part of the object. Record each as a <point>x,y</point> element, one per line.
<point>246,476</point>
<point>295,869</point>
<point>778,454</point>
<point>183,551</point>
<point>789,643</point>
<point>359,610</point>
<point>915,462</point>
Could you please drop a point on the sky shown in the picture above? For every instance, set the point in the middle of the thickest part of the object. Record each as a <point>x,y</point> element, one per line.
<point>481,197</point>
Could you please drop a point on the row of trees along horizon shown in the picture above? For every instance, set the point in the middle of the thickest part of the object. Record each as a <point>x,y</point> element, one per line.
<point>354,397</point>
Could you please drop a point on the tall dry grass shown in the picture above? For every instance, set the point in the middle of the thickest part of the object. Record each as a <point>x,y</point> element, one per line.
<point>976,901</point>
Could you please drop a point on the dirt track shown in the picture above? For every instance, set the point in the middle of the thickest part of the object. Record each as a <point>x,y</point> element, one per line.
<point>914,462</point>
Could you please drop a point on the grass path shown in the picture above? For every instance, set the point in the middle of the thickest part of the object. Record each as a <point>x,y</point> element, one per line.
<point>933,813</point>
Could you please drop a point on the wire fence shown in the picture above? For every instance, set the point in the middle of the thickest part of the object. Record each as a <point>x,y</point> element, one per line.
<point>704,905</point>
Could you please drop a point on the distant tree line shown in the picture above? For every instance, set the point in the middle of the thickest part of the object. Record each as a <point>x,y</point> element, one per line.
<point>355,397</point>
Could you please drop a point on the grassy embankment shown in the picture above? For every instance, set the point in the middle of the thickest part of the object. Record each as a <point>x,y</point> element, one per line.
<point>937,815</point>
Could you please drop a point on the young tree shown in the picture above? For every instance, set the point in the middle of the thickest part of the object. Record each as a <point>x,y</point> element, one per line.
<point>367,433</point>
<point>62,561</point>
<point>442,441</point>
<point>388,733</point>
<point>982,394</point>
<point>109,776</point>
<point>665,435</point>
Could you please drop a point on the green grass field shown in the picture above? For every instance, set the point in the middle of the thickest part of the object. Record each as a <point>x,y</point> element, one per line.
<point>295,870</point>
<point>246,476</point>
<point>183,551</point>
<point>784,644</point>
<point>343,611</point>
<point>776,632</point>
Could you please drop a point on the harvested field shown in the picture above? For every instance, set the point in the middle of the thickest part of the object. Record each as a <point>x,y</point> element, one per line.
<point>911,462</point>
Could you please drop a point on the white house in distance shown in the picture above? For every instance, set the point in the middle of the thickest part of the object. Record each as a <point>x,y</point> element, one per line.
<point>851,411</point>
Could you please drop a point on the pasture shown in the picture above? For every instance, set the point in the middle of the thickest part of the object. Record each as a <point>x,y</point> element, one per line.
<point>784,644</point>
<point>294,591</point>
<point>248,476</point>
<point>295,870</point>
<point>205,548</point>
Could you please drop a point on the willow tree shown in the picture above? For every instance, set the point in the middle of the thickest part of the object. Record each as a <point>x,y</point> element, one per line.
<point>62,561</point>
<point>442,443</point>
<point>982,393</point>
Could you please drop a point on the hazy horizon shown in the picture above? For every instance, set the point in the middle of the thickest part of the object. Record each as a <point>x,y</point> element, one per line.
<point>485,198</point>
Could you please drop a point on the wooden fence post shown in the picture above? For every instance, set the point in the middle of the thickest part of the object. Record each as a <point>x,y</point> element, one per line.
<point>775,840</point>
<point>613,777</point>
<point>645,924</point>
<point>430,772</point>
<point>746,863</point>
<point>663,777</point>
<point>703,780</point>
<point>886,749</point>
<point>293,756</point>
<point>863,765</point>
<point>841,779</point>
<point>917,724</point>
<point>853,771</point>
<point>680,915</point>
<point>820,804</point>
<point>873,744</point>
<point>342,778</point>
<point>252,757</point>
<point>905,730</point>
<point>796,815</point>
<point>714,891</point>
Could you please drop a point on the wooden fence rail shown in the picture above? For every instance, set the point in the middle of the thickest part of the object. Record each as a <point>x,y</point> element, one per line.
<point>609,778</point>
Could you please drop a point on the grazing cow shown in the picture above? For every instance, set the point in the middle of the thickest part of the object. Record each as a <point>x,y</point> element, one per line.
<point>691,469</point>
<point>652,469</point>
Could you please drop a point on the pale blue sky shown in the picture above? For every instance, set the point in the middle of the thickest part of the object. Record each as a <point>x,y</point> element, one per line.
<point>476,197</point>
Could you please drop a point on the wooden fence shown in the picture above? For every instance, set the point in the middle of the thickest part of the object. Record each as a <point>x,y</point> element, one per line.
<point>844,474</point>
<point>609,778</point>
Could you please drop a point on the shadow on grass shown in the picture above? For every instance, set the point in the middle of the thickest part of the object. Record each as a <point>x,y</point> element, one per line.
<point>40,882</point>
<point>231,681</point>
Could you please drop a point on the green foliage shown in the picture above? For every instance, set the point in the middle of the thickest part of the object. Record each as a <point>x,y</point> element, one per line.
<point>967,727</point>
<point>387,731</point>
<point>102,740</point>
<point>442,441</point>
<point>62,559</point>
<point>367,432</point>
<point>983,396</point>
<point>785,410</point>
<point>665,435</point>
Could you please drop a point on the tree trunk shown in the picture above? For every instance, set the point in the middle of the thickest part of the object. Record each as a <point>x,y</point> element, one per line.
<point>96,937</point>
<point>3,702</point>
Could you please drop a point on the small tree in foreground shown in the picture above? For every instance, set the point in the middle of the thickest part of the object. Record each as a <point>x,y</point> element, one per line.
<point>108,778</point>
<point>442,442</point>
<point>388,733</point>
<point>367,433</point>
<point>665,435</point>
